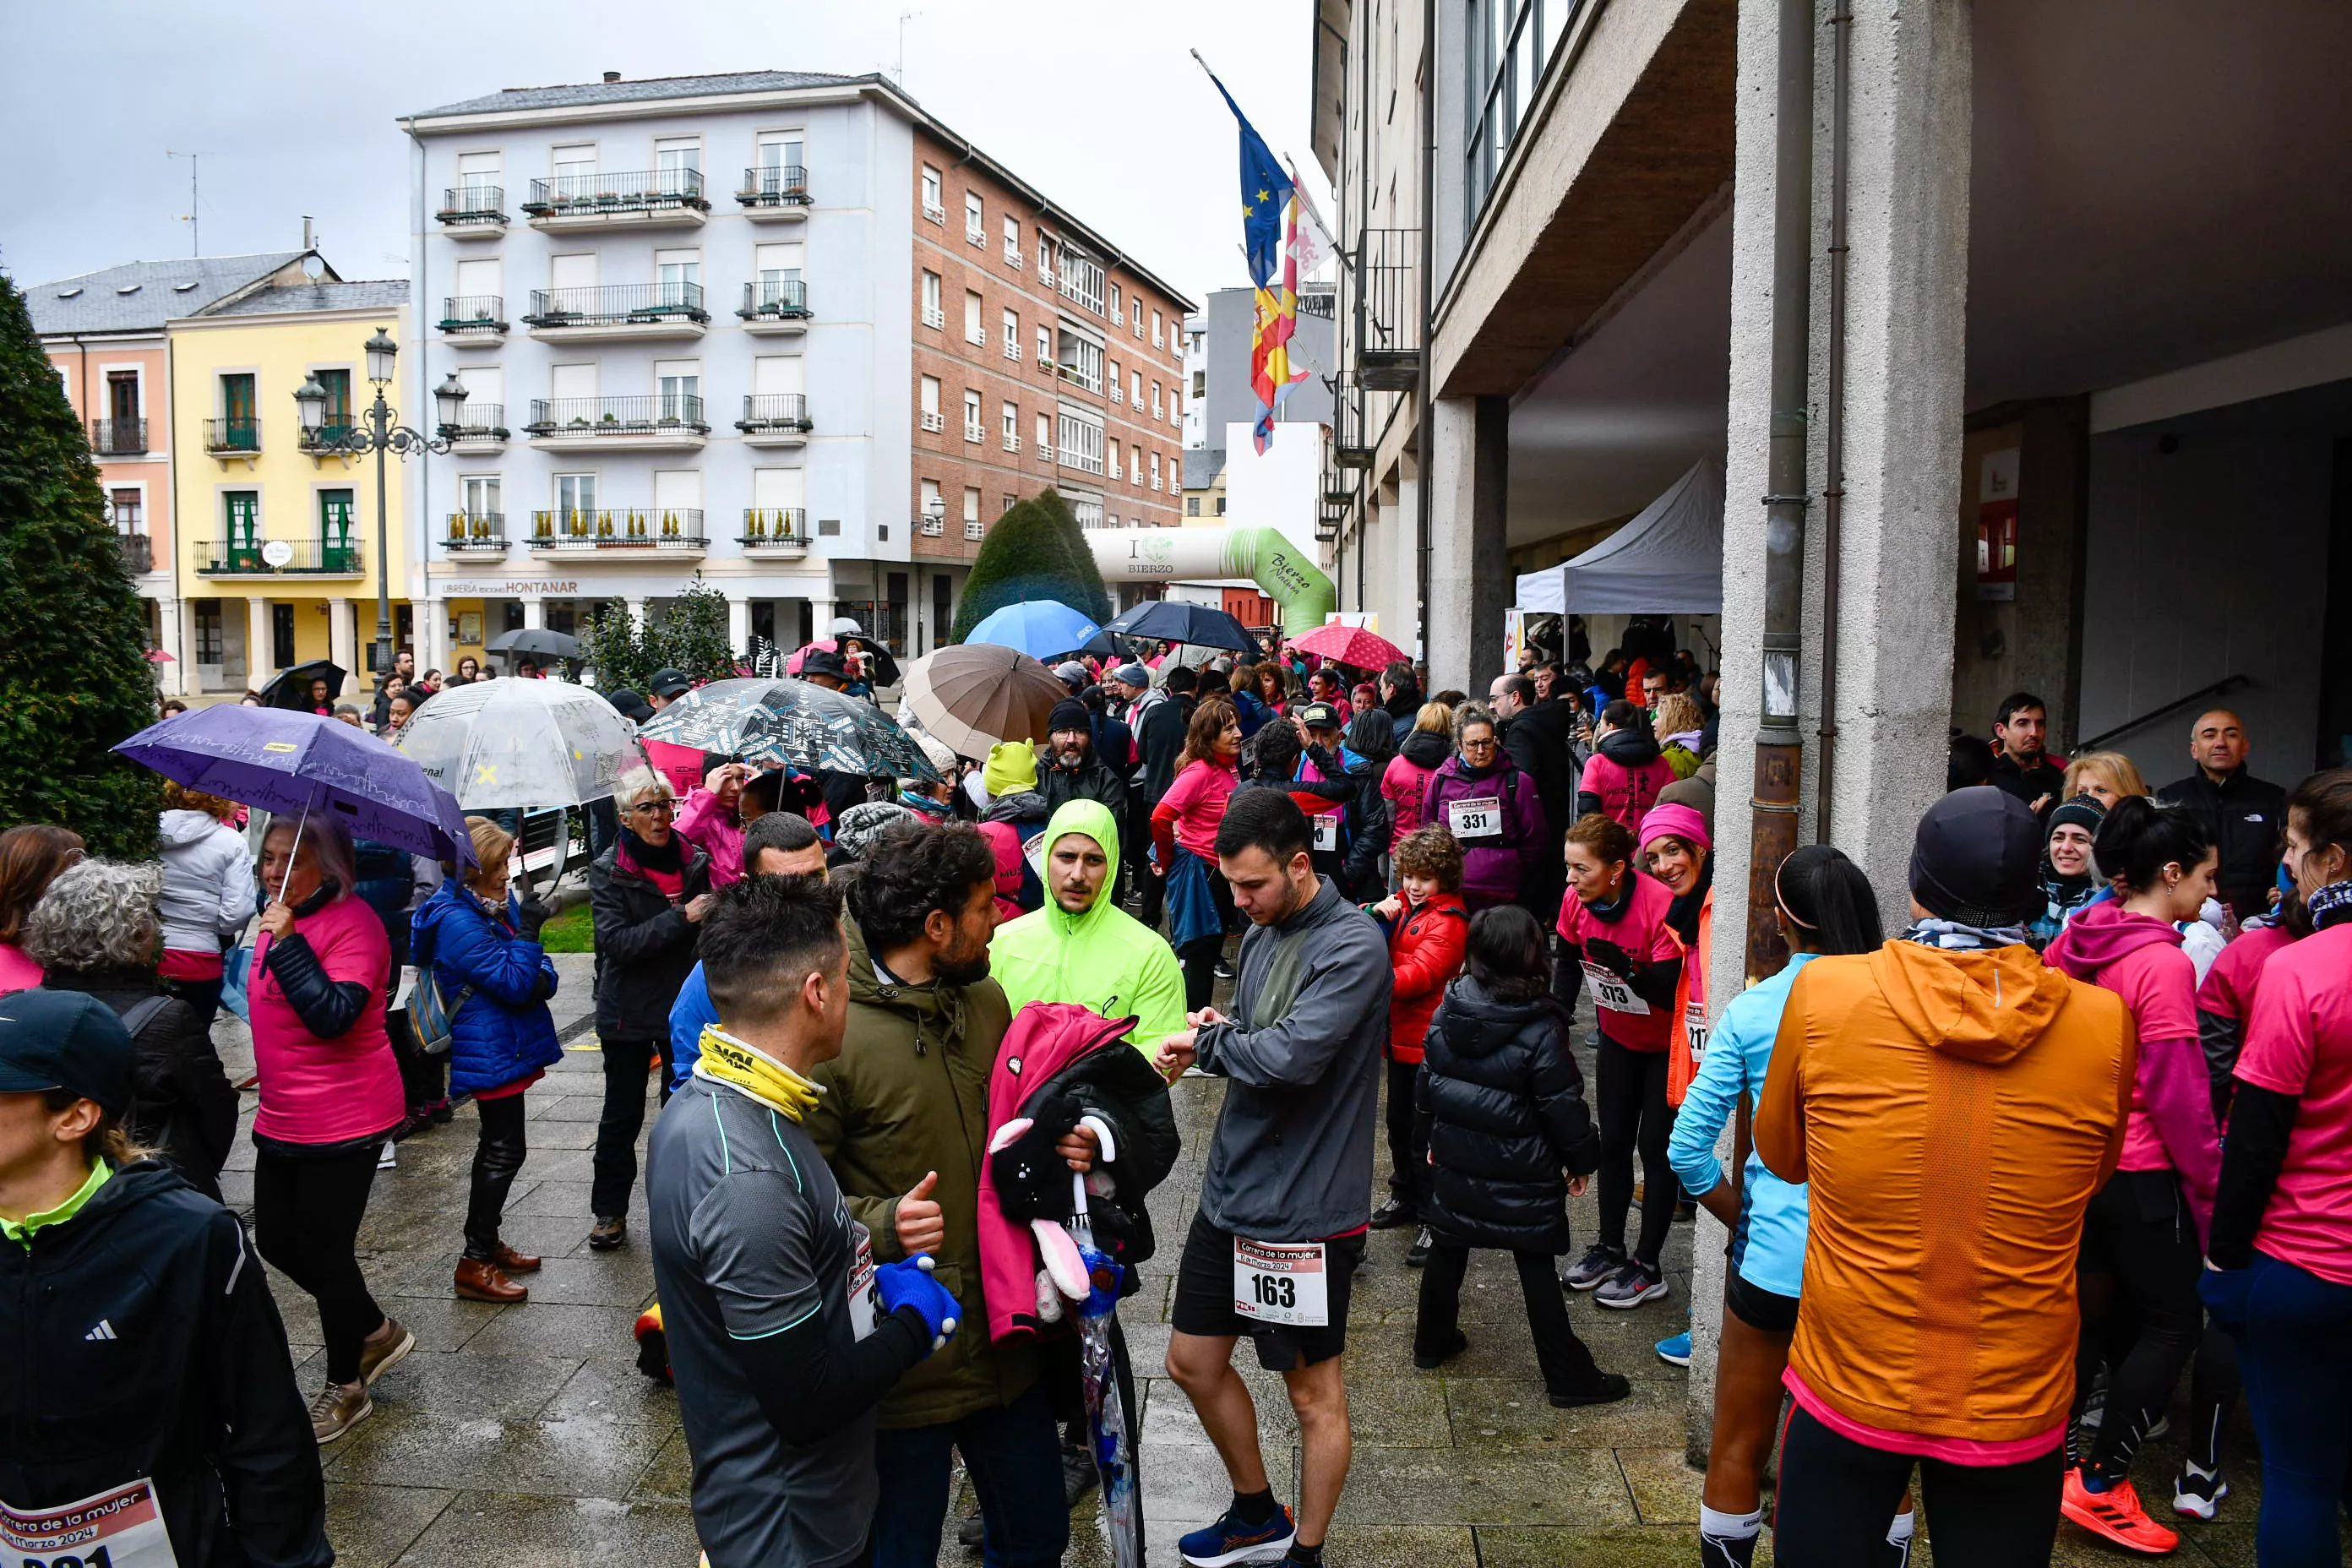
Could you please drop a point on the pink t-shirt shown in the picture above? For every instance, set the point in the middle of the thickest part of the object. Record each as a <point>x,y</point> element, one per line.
<point>2159,984</point>
<point>2300,1043</point>
<point>1642,931</point>
<point>17,973</point>
<point>2230,984</point>
<point>1198,798</point>
<point>326,1091</point>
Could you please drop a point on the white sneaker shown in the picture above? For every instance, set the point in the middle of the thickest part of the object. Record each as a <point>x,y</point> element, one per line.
<point>2195,1494</point>
<point>390,1159</point>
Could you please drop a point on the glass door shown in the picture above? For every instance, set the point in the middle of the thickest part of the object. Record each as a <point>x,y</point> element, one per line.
<point>241,510</point>
<point>575,505</point>
<point>240,424</point>
<point>780,167</point>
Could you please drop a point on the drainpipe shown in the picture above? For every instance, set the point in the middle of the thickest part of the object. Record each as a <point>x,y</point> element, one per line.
<point>1833,418</point>
<point>1779,751</point>
<point>1423,438</point>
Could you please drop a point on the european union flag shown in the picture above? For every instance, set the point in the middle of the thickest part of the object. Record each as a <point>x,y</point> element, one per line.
<point>1265,192</point>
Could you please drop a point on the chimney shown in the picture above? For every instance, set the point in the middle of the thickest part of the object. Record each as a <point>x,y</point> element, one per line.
<point>306,231</point>
<point>612,76</point>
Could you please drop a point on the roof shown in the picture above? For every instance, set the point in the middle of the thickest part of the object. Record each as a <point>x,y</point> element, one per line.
<point>576,95</point>
<point>1201,466</point>
<point>140,295</point>
<point>359,294</point>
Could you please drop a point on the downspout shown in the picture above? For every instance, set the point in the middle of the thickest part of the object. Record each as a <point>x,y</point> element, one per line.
<point>1833,418</point>
<point>1779,750</point>
<point>1422,440</point>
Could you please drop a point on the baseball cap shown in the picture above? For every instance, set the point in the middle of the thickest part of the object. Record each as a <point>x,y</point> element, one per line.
<point>65,1040</point>
<point>669,683</point>
<point>629,704</point>
<point>1131,675</point>
<point>1320,716</point>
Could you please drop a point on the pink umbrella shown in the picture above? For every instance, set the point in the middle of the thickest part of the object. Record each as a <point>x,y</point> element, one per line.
<point>157,656</point>
<point>1350,645</point>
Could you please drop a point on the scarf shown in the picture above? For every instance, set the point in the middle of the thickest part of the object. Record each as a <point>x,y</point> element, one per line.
<point>1682,913</point>
<point>1953,937</point>
<point>2332,905</point>
<point>670,856</point>
<point>727,1060</point>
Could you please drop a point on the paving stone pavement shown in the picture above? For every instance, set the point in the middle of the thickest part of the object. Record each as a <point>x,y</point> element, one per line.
<point>524,1436</point>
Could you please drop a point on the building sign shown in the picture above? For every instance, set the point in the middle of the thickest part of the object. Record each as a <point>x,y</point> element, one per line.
<point>514,590</point>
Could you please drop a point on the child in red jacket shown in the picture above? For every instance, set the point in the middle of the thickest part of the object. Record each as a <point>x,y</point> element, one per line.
<point>1428,927</point>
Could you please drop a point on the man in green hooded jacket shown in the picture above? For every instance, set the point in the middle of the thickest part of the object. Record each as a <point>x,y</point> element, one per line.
<point>1081,946</point>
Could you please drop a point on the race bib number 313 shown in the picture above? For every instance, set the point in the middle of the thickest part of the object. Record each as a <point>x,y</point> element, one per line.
<point>118,1529</point>
<point>1287,1283</point>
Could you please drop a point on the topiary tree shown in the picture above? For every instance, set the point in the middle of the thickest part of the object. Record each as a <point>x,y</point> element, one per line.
<point>1094,601</point>
<point>694,635</point>
<point>1026,557</point>
<point>74,673</point>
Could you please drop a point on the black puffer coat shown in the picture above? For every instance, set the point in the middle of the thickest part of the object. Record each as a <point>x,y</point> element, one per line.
<point>644,943</point>
<point>1508,1121</point>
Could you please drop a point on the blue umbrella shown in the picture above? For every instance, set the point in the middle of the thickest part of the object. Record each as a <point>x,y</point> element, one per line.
<point>1173,620</point>
<point>292,764</point>
<point>1038,627</point>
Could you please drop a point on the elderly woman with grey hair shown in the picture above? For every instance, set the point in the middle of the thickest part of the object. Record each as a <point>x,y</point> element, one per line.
<point>95,931</point>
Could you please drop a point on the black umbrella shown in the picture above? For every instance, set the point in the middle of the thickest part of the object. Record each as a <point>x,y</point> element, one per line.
<point>534,640</point>
<point>794,721</point>
<point>1173,620</point>
<point>291,690</point>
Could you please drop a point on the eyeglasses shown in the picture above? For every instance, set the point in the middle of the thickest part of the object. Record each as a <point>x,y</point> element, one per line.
<point>655,808</point>
<point>1485,746</point>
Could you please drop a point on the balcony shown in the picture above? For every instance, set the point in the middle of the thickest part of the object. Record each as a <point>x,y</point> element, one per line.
<point>775,419</point>
<point>1012,256</point>
<point>774,531</point>
<point>930,527</point>
<point>484,428</point>
<point>621,532</point>
<point>474,319</point>
<point>657,424</point>
<point>1011,443</point>
<point>778,194</point>
<point>239,436</point>
<point>1388,309</point>
<point>934,422</point>
<point>617,310</point>
<point>327,440</point>
<point>662,199</point>
<point>1352,440</point>
<point>118,437</point>
<point>777,306</point>
<point>475,533</point>
<point>974,431</point>
<point>974,529</point>
<point>473,212</point>
<point>137,549</point>
<point>346,557</point>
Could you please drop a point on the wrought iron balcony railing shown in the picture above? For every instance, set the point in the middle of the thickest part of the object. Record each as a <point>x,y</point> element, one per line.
<point>619,528</point>
<point>473,203</point>
<point>237,433</point>
<point>564,195</point>
<point>617,304</point>
<point>474,315</point>
<point>773,525</point>
<point>774,411</point>
<point>329,436</point>
<point>479,422</point>
<point>616,416</point>
<point>345,556</point>
<point>118,437</point>
<point>476,530</point>
<point>774,185</point>
<point>786,299</point>
<point>1388,309</point>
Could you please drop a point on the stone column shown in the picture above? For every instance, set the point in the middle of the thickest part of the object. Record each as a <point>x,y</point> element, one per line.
<point>341,636</point>
<point>738,624</point>
<point>534,610</point>
<point>258,665</point>
<point>175,677</point>
<point>820,618</point>
<point>636,611</point>
<point>1469,565</point>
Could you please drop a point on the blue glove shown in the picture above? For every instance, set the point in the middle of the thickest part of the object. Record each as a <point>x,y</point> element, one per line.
<point>910,1284</point>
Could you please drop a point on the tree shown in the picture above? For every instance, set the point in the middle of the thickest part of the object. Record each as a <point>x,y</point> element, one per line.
<point>1028,555</point>
<point>74,673</point>
<point>695,635</point>
<point>616,648</point>
<point>1094,602</point>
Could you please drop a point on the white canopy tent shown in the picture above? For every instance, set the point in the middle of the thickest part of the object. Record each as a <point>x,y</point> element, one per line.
<point>1666,560</point>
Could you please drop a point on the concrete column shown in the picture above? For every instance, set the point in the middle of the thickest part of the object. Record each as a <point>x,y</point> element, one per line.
<point>258,666</point>
<point>739,624</point>
<point>534,610</point>
<point>820,618</point>
<point>636,611</point>
<point>175,677</point>
<point>342,640</point>
<point>1469,566</point>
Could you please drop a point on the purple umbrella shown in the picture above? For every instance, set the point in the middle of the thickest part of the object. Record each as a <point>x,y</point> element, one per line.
<point>290,765</point>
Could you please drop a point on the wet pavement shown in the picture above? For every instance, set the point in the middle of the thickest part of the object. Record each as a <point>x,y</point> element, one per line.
<point>524,1435</point>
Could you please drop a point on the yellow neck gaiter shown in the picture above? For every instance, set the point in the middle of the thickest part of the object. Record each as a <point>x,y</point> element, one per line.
<point>726,1059</point>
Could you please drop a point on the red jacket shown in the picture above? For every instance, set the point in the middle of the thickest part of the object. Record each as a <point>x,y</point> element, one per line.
<point>1425,950</point>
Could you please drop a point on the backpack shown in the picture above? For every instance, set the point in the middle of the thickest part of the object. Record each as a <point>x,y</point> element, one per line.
<point>432,1017</point>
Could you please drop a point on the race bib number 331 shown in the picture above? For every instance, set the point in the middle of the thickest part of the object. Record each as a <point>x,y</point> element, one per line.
<point>1287,1283</point>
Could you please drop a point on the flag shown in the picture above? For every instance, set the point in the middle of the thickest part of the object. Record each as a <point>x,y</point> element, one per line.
<point>1314,244</point>
<point>1270,238</point>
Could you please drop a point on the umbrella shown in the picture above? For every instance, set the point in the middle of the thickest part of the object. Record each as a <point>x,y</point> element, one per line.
<point>291,764</point>
<point>882,670</point>
<point>291,690</point>
<point>975,694</point>
<point>1350,645</point>
<point>1108,1424</point>
<point>794,722</point>
<point>1038,627</point>
<point>534,640</point>
<point>1173,620</point>
<point>507,743</point>
<point>157,656</point>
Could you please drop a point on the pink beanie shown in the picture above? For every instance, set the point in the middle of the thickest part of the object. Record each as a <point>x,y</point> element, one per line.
<point>1675,820</point>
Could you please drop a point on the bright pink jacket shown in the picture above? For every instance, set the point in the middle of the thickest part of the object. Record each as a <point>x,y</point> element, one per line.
<point>326,1091</point>
<point>716,831</point>
<point>1004,843</point>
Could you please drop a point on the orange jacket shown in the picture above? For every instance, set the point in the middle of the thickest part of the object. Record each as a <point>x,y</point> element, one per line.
<point>1686,1047</point>
<point>1954,1112</point>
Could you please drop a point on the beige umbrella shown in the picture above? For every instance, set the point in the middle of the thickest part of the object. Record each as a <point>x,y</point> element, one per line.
<point>976,694</point>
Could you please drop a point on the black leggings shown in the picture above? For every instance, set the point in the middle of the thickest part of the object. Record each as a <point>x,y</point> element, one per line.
<point>1567,1365</point>
<point>1408,1137</point>
<point>2140,1257</point>
<point>1634,1116</point>
<point>1836,1495</point>
<point>497,1158</point>
<point>1201,954</point>
<point>306,1223</point>
<point>613,1166</point>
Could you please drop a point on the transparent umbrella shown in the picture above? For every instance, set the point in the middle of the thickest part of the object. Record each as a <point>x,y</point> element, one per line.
<point>507,743</point>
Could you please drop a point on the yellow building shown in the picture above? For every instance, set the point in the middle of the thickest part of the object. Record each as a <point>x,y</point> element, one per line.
<point>277,539</point>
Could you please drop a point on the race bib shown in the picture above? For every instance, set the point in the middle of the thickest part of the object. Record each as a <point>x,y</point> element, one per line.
<point>1327,832</point>
<point>862,1312</point>
<point>1478,816</point>
<point>1282,1282</point>
<point>118,1529</point>
<point>1694,1031</point>
<point>1612,992</point>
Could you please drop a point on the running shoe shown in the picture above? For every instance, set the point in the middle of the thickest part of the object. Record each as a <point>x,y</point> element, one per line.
<point>1612,1387</point>
<point>2115,1515</point>
<point>1632,1285</point>
<point>1431,1360</point>
<point>1224,970</point>
<point>2162,1427</point>
<point>1418,1253</point>
<point>1675,1352</point>
<point>2198,1494</point>
<point>1392,1214</point>
<point>1597,1264</point>
<point>1232,1541</point>
<point>388,1159</point>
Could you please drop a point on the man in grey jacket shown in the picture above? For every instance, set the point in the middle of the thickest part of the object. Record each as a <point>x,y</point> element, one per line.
<point>1286,1197</point>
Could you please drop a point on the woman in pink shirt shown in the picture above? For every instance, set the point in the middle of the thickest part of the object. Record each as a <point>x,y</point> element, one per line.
<point>711,819</point>
<point>1421,752</point>
<point>331,1095</point>
<point>1184,845</point>
<point>2143,1234</point>
<point>30,858</point>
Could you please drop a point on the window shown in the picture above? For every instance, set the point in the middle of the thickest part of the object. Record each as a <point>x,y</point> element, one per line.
<point>973,427</point>
<point>777,275</point>
<point>1134,385</point>
<point>1081,442</point>
<point>1510,43</point>
<point>1221,506</point>
<point>1135,466</point>
<point>129,509</point>
<point>574,271</point>
<point>241,420</point>
<point>1111,521</point>
<point>1155,400</point>
<point>1117,395</point>
<point>337,384</point>
<point>678,274</point>
<point>1045,436</point>
<point>679,383</point>
<point>974,332</point>
<point>1010,503</point>
<point>1139,322</point>
<point>781,167</point>
<point>1082,362</point>
<point>1045,260</point>
<point>1156,339</point>
<point>1089,513</point>
<point>1011,422</point>
<point>934,506</point>
<point>971,505</point>
<point>935,206</point>
<point>478,171</point>
<point>209,639</point>
<point>281,635</point>
<point>677,159</point>
<point>480,494</point>
<point>1175,413</point>
<point>1155,470</point>
<point>1200,385</point>
<point>570,380</point>
<point>123,394</point>
<point>1012,243</point>
<point>1112,454</point>
<point>576,163</point>
<point>931,405</point>
<point>934,313</point>
<point>1116,314</point>
<point>575,501</point>
<point>678,491</point>
<point>1192,506</point>
<point>241,513</point>
<point>1082,280</point>
<point>1012,334</point>
<point>975,222</point>
<point>1045,349</point>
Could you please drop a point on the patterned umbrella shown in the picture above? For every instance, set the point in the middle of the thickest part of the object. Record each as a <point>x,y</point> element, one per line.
<point>784,721</point>
<point>1351,645</point>
<point>975,694</point>
<point>509,744</point>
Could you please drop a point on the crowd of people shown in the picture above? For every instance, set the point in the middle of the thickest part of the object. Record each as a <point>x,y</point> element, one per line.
<point>905,1034</point>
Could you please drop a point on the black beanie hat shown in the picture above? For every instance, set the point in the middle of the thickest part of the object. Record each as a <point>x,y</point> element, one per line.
<point>1069,713</point>
<point>2083,811</point>
<point>1976,859</point>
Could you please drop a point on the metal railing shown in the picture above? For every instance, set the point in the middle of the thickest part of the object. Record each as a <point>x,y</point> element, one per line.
<point>1388,309</point>
<point>564,195</point>
<point>617,304</point>
<point>774,411</point>
<point>481,422</point>
<point>785,300</point>
<point>774,186</point>
<point>2212,688</point>
<point>473,203</point>
<point>1351,436</point>
<point>137,549</point>
<point>619,528</point>
<point>346,557</point>
<point>616,416</point>
<point>773,525</point>
<point>476,530</point>
<point>329,436</point>
<point>237,433</point>
<point>472,314</point>
<point>118,437</point>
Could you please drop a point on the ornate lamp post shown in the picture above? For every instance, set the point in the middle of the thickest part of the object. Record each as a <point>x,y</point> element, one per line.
<point>380,432</point>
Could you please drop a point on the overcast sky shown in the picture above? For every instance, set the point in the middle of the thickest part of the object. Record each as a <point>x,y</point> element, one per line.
<point>1097,103</point>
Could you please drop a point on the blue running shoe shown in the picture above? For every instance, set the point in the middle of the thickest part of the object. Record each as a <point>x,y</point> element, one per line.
<point>1231,1540</point>
<point>1677,1351</point>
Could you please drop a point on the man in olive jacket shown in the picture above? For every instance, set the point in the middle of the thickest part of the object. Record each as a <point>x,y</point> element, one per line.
<point>903,1124</point>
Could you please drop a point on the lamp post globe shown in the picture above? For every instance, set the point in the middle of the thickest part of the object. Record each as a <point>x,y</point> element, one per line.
<point>381,352</point>
<point>449,402</point>
<point>311,401</point>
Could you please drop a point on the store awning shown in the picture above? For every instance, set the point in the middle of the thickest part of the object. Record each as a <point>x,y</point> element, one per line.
<point>1666,561</point>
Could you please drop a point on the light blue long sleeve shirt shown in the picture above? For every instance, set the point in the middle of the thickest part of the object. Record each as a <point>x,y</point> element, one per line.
<point>1768,1247</point>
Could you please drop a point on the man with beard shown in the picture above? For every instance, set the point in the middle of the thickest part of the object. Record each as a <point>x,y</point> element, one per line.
<point>1072,770</point>
<point>902,1120</point>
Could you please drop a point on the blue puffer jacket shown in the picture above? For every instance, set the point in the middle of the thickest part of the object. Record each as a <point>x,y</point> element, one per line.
<point>503,1031</point>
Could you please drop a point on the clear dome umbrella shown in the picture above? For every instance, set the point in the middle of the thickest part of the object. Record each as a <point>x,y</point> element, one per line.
<point>512,745</point>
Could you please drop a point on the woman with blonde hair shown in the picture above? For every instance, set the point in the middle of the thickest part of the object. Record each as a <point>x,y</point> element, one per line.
<point>1681,728</point>
<point>208,897</point>
<point>1421,753</point>
<point>2105,776</point>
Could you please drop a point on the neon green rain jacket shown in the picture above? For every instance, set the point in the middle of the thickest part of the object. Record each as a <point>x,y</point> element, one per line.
<point>1105,960</point>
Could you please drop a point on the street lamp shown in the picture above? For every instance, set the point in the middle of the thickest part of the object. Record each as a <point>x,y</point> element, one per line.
<point>381,433</point>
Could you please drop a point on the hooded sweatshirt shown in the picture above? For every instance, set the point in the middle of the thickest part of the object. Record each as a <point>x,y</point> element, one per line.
<point>1622,778</point>
<point>207,888</point>
<point>1406,776</point>
<point>1104,960</point>
<point>2139,958</point>
<point>1954,1111</point>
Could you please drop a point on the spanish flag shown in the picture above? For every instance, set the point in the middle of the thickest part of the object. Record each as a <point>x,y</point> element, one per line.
<point>1270,241</point>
